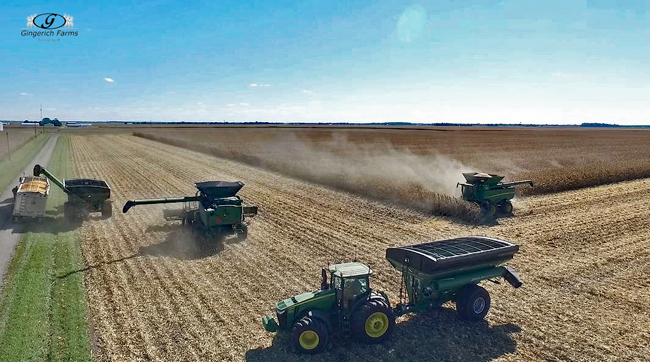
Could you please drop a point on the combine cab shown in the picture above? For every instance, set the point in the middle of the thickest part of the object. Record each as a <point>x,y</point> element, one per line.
<point>214,211</point>
<point>489,192</point>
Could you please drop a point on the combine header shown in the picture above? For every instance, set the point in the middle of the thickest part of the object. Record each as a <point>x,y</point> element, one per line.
<point>489,192</point>
<point>214,211</point>
<point>432,274</point>
<point>84,195</point>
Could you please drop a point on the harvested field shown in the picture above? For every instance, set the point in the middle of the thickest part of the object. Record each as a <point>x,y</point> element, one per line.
<point>420,168</point>
<point>17,138</point>
<point>154,296</point>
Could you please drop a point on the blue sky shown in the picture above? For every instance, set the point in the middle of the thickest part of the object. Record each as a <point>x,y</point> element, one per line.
<point>323,61</point>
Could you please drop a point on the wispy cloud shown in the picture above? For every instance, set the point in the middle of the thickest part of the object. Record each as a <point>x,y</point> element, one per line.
<point>109,80</point>
<point>230,104</point>
<point>25,94</point>
<point>306,91</point>
<point>565,75</point>
<point>244,104</point>
<point>259,85</point>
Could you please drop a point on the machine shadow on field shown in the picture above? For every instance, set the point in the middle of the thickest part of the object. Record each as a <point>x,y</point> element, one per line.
<point>181,243</point>
<point>435,335</point>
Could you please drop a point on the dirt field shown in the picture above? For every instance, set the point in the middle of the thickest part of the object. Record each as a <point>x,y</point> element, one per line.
<point>585,262</point>
<point>17,137</point>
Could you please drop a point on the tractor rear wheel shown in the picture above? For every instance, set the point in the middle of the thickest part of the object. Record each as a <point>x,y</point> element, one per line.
<point>373,322</point>
<point>107,209</point>
<point>473,303</point>
<point>310,335</point>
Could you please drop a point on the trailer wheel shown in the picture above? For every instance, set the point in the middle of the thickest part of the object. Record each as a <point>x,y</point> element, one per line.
<point>473,303</point>
<point>373,322</point>
<point>310,335</point>
<point>107,209</point>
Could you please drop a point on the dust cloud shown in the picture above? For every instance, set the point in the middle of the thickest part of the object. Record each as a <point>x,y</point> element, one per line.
<point>380,171</point>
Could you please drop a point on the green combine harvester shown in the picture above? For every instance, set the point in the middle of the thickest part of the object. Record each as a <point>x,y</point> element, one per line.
<point>489,192</point>
<point>214,212</point>
<point>432,274</point>
<point>84,195</point>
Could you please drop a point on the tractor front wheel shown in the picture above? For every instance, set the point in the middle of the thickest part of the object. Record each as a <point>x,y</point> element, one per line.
<point>473,303</point>
<point>373,322</point>
<point>310,335</point>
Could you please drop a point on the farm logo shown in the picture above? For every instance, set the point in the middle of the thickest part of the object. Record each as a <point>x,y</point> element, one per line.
<point>49,22</point>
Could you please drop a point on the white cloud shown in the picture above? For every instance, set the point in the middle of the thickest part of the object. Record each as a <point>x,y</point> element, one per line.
<point>244,104</point>
<point>199,103</point>
<point>253,85</point>
<point>306,91</point>
<point>230,104</point>
<point>259,85</point>
<point>25,94</point>
<point>109,80</point>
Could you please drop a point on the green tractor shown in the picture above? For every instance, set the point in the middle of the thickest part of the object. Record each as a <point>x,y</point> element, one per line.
<point>432,273</point>
<point>489,192</point>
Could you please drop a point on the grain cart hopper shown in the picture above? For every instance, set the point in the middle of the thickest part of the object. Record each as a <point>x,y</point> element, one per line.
<point>84,195</point>
<point>30,197</point>
<point>489,192</point>
<point>432,274</point>
<point>214,211</point>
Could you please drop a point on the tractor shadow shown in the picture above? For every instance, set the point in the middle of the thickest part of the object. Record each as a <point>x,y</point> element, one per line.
<point>436,335</point>
<point>182,243</point>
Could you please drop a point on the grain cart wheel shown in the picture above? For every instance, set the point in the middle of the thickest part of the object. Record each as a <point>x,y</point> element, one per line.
<point>69,212</point>
<point>473,303</point>
<point>242,233</point>
<point>310,335</point>
<point>373,322</point>
<point>506,207</point>
<point>107,209</point>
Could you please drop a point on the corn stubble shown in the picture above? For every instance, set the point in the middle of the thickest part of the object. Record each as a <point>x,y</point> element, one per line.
<point>153,295</point>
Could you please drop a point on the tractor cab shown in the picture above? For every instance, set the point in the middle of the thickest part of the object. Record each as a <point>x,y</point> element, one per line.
<point>350,281</point>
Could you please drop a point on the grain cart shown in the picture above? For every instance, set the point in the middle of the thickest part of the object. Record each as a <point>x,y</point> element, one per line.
<point>30,197</point>
<point>214,211</point>
<point>84,195</point>
<point>432,273</point>
<point>489,192</point>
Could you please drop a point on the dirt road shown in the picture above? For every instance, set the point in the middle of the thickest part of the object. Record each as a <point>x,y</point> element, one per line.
<point>10,232</point>
<point>153,295</point>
